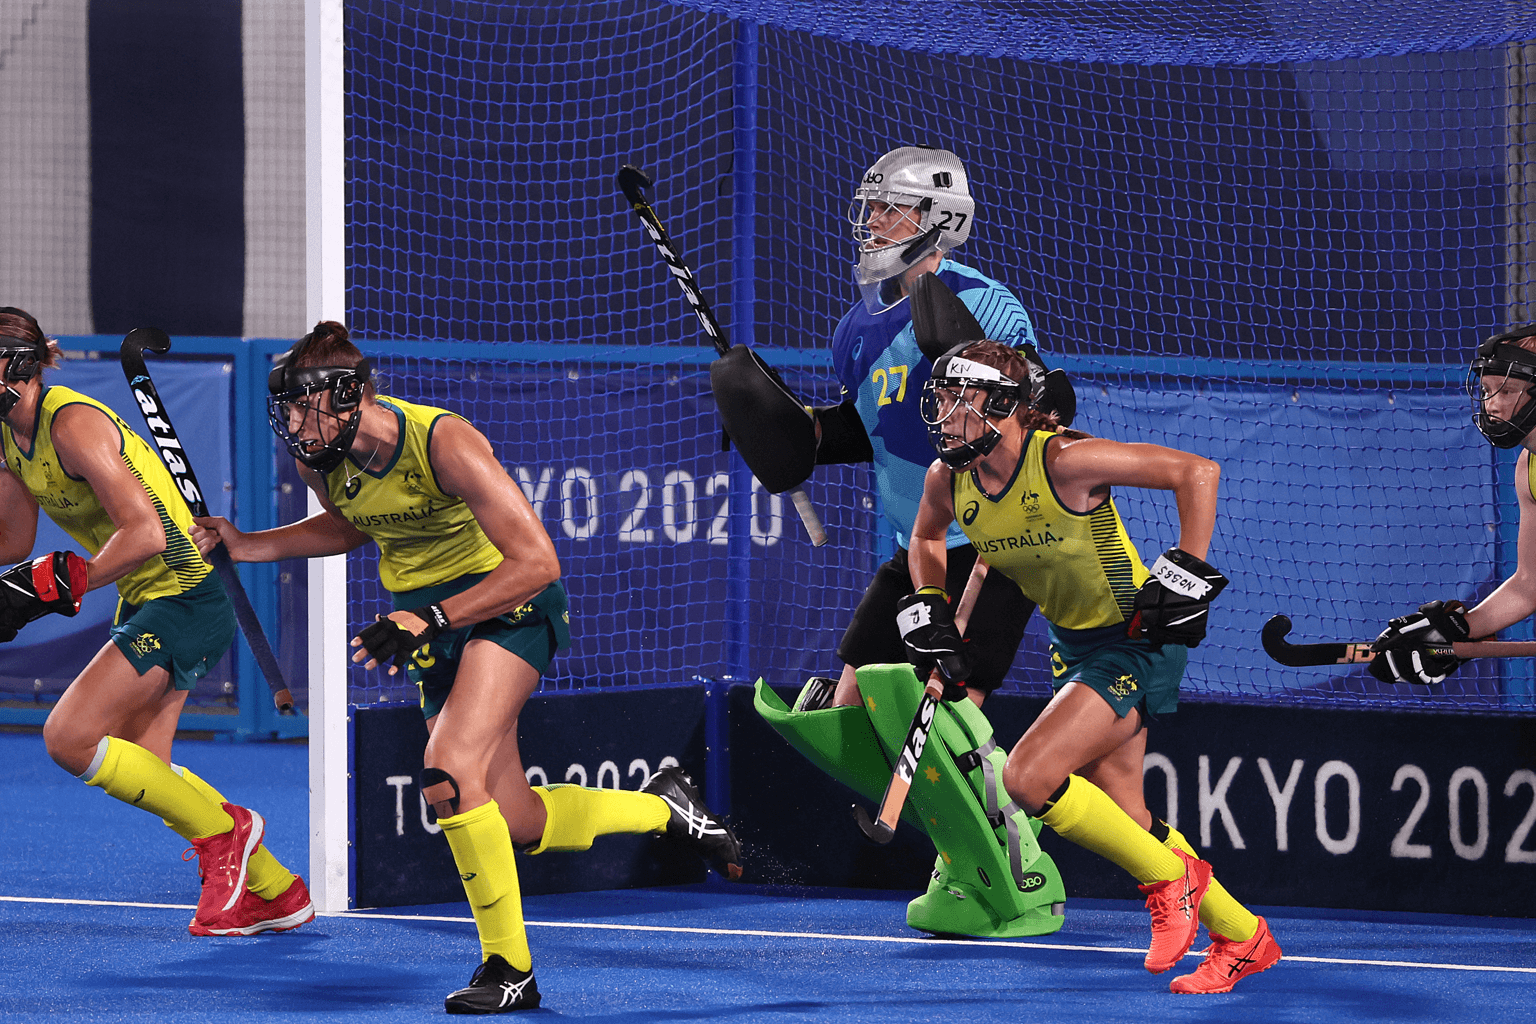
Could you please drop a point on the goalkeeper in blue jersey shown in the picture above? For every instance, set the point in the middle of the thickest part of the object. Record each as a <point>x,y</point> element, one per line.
<point>910,209</point>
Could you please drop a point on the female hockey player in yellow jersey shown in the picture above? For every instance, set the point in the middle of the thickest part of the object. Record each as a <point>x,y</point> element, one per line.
<point>73,457</point>
<point>480,613</point>
<point>1036,504</point>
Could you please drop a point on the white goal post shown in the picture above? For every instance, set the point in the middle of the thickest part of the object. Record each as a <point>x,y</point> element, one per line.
<point>325,299</point>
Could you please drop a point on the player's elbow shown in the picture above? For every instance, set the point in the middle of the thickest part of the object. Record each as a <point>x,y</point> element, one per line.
<point>544,568</point>
<point>147,543</point>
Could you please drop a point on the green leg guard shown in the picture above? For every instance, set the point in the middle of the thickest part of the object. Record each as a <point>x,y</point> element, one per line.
<point>991,878</point>
<point>839,741</point>
<point>987,882</point>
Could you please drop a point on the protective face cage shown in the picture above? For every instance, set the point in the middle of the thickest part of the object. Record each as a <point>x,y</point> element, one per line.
<point>931,187</point>
<point>293,411</point>
<point>946,394</point>
<point>1504,368</point>
<point>24,362</point>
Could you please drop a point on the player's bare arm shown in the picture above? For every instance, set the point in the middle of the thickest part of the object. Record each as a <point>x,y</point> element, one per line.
<point>467,467</point>
<point>1515,599</point>
<point>927,555</point>
<point>1083,471</point>
<point>327,532</point>
<point>18,527</point>
<point>89,447</point>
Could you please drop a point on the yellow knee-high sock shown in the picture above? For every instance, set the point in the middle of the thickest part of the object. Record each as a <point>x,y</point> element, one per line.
<point>1085,815</point>
<point>575,815</point>
<point>483,851</point>
<point>1219,912</point>
<point>264,874</point>
<point>128,772</point>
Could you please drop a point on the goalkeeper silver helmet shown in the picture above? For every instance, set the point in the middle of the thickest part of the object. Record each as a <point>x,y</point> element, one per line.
<point>913,201</point>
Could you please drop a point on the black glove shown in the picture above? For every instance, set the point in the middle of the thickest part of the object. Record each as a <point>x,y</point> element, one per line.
<point>1417,648</point>
<point>1172,607</point>
<point>30,590</point>
<point>928,630</point>
<point>387,640</point>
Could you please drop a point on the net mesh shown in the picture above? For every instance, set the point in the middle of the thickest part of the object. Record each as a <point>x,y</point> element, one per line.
<point>1273,248</point>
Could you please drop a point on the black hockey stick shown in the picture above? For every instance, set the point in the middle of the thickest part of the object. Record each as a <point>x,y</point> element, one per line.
<point>171,453</point>
<point>633,182</point>
<point>882,828</point>
<point>1359,652</point>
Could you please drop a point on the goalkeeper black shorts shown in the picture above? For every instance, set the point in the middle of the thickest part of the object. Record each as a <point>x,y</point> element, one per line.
<point>995,631</point>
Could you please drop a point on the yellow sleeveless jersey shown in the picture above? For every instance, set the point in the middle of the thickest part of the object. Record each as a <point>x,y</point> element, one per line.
<point>425,537</point>
<point>1079,567</point>
<point>70,502</point>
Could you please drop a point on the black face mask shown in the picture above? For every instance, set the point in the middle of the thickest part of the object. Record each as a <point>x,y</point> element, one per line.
<point>344,384</point>
<point>1515,367</point>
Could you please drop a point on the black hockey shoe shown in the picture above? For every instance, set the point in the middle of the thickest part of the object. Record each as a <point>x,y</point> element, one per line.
<point>496,987</point>
<point>694,823</point>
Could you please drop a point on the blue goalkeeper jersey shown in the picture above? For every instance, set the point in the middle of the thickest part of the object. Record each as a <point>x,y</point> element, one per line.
<point>875,357</point>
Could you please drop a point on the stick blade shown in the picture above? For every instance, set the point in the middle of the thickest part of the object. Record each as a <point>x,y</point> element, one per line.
<point>1275,631</point>
<point>146,339</point>
<point>631,182</point>
<point>940,318</point>
<point>873,828</point>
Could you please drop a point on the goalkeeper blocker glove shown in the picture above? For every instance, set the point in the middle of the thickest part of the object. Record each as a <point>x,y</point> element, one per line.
<point>1173,606</point>
<point>1417,648</point>
<point>30,590</point>
<point>928,629</point>
<point>387,640</point>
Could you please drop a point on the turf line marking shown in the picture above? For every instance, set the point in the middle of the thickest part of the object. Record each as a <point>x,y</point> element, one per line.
<point>913,940</point>
<point>756,933</point>
<point>98,903</point>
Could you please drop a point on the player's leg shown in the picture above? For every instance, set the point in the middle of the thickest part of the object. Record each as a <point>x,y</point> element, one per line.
<point>1078,728</point>
<point>1241,942</point>
<point>490,687</point>
<point>87,734</point>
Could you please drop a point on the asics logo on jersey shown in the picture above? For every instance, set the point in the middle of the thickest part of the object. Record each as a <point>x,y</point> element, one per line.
<point>467,877</point>
<point>699,825</point>
<point>972,510</point>
<point>353,486</point>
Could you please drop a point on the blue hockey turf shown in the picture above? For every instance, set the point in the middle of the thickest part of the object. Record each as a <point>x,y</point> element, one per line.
<point>95,900</point>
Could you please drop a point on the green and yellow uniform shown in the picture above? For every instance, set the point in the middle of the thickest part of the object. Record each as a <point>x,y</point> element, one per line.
<point>171,611</point>
<point>431,547</point>
<point>1082,570</point>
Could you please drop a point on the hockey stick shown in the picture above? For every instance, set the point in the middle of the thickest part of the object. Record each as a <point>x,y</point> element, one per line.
<point>171,453</point>
<point>632,182</point>
<point>1359,652</point>
<point>882,829</point>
